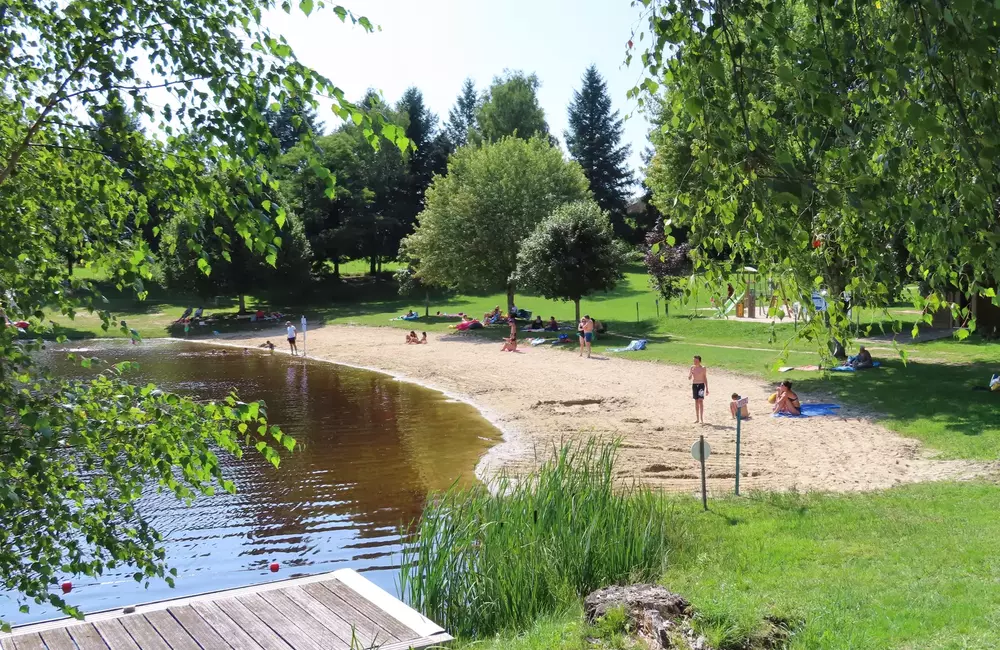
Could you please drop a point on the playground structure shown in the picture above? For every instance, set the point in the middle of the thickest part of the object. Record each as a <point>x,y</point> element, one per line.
<point>756,298</point>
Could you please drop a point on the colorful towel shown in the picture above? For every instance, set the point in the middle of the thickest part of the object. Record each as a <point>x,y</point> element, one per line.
<point>875,364</point>
<point>633,346</point>
<point>812,410</point>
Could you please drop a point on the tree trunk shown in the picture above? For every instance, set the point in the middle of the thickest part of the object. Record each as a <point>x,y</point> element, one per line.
<point>577,301</point>
<point>510,298</point>
<point>243,304</point>
<point>427,304</point>
<point>69,266</point>
<point>371,264</point>
<point>336,267</point>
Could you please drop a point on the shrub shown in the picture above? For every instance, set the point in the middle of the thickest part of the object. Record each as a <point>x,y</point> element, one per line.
<point>494,557</point>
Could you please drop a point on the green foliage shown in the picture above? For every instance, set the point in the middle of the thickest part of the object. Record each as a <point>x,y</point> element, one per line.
<point>77,182</point>
<point>282,264</point>
<point>477,216</point>
<point>510,108</point>
<point>491,558</point>
<point>571,254</point>
<point>850,145</point>
<point>290,123</point>
<point>462,117</point>
<point>594,140</point>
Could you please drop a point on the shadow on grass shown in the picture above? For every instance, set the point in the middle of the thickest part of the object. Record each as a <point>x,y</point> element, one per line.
<point>935,401</point>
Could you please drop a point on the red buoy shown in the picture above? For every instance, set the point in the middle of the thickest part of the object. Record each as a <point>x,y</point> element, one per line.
<point>67,587</point>
<point>274,567</point>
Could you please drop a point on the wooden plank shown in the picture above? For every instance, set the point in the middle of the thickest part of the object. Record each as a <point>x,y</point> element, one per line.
<point>58,640</point>
<point>146,637</point>
<point>305,621</point>
<point>437,641</point>
<point>115,635</point>
<point>28,642</point>
<point>386,602</point>
<point>278,622</point>
<point>87,638</point>
<point>377,615</point>
<point>243,617</point>
<point>171,631</point>
<point>6,644</point>
<point>332,619</point>
<point>200,631</point>
<point>225,626</point>
<point>368,632</point>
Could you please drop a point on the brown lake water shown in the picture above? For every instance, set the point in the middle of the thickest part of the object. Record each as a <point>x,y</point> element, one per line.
<point>370,449</point>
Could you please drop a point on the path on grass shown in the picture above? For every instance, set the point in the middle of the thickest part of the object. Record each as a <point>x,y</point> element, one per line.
<point>540,397</point>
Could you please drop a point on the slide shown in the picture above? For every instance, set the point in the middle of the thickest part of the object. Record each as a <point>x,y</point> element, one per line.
<point>731,303</point>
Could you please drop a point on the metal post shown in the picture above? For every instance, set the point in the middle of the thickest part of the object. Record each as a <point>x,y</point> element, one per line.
<point>636,312</point>
<point>657,307</point>
<point>739,418</point>
<point>701,449</point>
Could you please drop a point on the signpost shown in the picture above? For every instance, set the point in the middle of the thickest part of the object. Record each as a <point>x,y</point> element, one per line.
<point>701,451</point>
<point>303,323</point>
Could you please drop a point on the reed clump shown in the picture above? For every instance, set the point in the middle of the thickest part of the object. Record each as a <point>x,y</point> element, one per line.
<point>491,558</point>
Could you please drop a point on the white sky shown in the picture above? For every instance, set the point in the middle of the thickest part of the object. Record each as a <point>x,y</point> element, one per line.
<point>435,44</point>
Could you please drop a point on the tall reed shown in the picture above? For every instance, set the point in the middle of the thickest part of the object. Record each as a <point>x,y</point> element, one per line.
<point>488,558</point>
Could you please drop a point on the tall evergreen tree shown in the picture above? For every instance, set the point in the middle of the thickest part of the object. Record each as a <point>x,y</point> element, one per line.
<point>511,108</point>
<point>430,157</point>
<point>462,117</point>
<point>594,140</point>
<point>291,122</point>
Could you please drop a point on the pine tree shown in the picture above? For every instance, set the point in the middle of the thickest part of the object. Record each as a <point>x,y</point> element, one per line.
<point>291,122</point>
<point>430,157</point>
<point>594,140</point>
<point>462,117</point>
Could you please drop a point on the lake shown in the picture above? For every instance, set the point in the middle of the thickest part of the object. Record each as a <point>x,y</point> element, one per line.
<point>370,449</point>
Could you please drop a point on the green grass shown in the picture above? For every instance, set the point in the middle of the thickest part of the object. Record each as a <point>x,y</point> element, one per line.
<point>906,568</point>
<point>489,558</point>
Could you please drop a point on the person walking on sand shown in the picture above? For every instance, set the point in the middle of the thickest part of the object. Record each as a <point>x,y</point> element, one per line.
<point>586,331</point>
<point>699,389</point>
<point>291,337</point>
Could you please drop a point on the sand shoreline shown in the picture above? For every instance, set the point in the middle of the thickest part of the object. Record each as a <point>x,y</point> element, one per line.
<point>542,397</point>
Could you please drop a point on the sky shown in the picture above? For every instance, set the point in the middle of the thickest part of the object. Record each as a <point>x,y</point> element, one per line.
<point>436,44</point>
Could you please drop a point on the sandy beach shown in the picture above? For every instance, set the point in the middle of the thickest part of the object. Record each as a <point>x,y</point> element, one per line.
<point>540,397</point>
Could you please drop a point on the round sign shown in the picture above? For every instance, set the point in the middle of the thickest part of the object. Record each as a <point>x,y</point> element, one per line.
<point>696,450</point>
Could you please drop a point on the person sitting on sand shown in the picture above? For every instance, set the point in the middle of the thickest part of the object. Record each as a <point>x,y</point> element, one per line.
<point>734,405</point>
<point>863,360</point>
<point>553,325</point>
<point>510,345</point>
<point>423,338</point>
<point>787,402</point>
<point>412,337</point>
<point>537,324</point>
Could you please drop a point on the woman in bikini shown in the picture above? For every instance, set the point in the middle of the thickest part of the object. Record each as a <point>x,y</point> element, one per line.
<point>787,401</point>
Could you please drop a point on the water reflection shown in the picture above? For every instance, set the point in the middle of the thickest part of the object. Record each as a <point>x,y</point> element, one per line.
<point>370,448</point>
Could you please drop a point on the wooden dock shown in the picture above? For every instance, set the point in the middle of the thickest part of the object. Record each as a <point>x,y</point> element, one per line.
<point>331,611</point>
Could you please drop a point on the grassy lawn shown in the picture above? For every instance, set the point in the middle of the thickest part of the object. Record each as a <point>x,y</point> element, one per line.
<point>912,567</point>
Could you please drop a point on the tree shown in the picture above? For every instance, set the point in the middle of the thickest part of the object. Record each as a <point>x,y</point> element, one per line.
<point>462,117</point>
<point>572,254</point>
<point>852,145</point>
<point>511,108</point>
<point>236,270</point>
<point>75,455</point>
<point>668,266</point>
<point>429,157</point>
<point>292,121</point>
<point>594,140</point>
<point>476,217</point>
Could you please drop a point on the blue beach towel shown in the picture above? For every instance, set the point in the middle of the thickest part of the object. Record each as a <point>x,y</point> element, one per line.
<point>633,346</point>
<point>812,410</point>
<point>875,364</point>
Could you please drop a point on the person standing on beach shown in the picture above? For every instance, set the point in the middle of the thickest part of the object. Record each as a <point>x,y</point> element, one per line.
<point>699,389</point>
<point>586,334</point>
<point>291,338</point>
